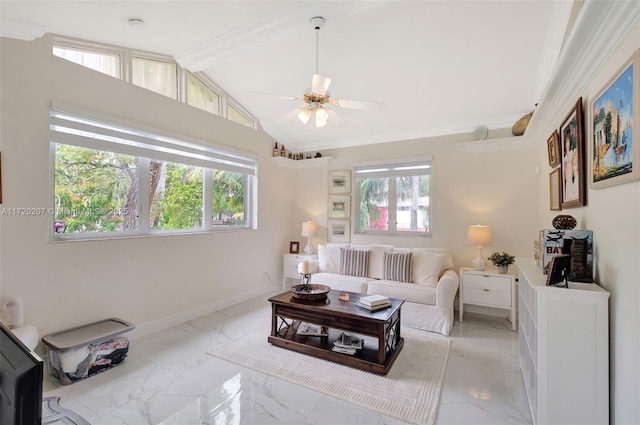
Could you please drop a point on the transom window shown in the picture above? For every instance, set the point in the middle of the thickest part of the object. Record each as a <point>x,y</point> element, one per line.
<point>102,168</point>
<point>394,198</point>
<point>154,72</point>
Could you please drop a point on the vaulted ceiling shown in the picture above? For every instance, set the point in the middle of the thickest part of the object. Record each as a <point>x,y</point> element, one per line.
<point>440,67</point>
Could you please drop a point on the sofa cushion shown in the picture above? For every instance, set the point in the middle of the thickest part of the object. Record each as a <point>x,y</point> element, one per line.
<point>329,257</point>
<point>397,266</point>
<point>340,282</point>
<point>448,260</point>
<point>426,267</point>
<point>422,294</point>
<point>354,262</point>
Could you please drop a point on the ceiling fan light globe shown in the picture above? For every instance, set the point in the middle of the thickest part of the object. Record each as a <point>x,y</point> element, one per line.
<point>322,114</point>
<point>304,116</point>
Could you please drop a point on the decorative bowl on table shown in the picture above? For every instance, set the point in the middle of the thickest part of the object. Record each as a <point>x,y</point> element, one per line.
<point>310,291</point>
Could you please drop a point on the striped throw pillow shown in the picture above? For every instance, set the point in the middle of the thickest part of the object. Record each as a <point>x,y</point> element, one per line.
<point>354,262</point>
<point>397,266</point>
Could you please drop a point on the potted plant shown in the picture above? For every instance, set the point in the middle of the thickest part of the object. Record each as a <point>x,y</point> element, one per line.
<point>502,261</point>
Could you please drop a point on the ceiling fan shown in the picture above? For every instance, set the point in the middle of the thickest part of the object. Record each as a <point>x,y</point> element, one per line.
<point>318,101</point>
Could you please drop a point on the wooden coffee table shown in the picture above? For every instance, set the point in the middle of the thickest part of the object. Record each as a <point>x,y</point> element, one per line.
<point>382,327</point>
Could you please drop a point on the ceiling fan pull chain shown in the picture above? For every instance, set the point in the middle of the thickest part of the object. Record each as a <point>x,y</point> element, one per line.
<point>317,48</point>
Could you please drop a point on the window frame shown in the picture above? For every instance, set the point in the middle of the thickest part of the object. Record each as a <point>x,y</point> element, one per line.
<point>143,173</point>
<point>392,170</point>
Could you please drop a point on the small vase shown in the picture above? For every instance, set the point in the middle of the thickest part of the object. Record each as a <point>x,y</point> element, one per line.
<point>503,269</point>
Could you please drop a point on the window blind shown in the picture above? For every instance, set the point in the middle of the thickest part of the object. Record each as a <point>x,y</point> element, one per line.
<point>413,167</point>
<point>72,126</point>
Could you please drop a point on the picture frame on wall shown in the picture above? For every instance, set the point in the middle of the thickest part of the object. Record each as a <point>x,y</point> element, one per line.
<point>555,190</point>
<point>614,119</point>
<point>339,181</point>
<point>294,247</point>
<point>572,158</point>
<point>553,149</point>
<point>339,231</point>
<point>339,206</point>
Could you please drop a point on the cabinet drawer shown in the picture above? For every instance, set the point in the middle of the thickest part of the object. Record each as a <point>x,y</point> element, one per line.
<point>294,260</point>
<point>291,271</point>
<point>492,283</point>
<point>486,297</point>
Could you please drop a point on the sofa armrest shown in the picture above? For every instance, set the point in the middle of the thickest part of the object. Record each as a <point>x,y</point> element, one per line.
<point>447,288</point>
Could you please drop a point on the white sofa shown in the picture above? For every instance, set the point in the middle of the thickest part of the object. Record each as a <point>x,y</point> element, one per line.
<point>429,295</point>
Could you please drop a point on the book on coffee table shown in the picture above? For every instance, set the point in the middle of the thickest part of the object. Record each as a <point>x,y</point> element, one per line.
<point>374,300</point>
<point>373,307</point>
<point>310,329</point>
<point>348,341</point>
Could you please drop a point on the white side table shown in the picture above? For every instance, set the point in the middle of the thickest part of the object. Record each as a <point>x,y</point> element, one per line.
<point>488,288</point>
<point>290,266</point>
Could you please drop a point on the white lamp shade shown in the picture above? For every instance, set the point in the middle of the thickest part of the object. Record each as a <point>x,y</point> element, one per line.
<point>309,228</point>
<point>478,235</point>
<point>304,116</point>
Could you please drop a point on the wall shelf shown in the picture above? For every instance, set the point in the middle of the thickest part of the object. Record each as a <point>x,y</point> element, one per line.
<point>499,144</point>
<point>301,163</point>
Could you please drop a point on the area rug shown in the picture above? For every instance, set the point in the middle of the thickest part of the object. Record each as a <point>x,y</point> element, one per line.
<point>409,392</point>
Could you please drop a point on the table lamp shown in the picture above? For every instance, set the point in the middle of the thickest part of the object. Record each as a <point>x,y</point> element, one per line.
<point>479,236</point>
<point>309,229</point>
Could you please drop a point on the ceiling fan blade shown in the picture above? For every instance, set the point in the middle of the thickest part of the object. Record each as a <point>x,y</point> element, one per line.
<point>279,96</point>
<point>320,84</point>
<point>358,104</point>
<point>335,119</point>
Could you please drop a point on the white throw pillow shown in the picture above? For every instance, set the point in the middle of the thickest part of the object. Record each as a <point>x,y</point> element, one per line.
<point>376,260</point>
<point>329,257</point>
<point>426,267</point>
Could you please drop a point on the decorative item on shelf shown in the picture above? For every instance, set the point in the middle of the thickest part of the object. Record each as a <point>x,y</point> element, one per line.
<point>520,126</point>
<point>559,271</point>
<point>283,152</point>
<point>276,151</point>
<point>479,236</point>
<point>565,222</point>
<point>309,229</point>
<point>290,155</point>
<point>318,155</point>
<point>576,243</point>
<point>502,261</point>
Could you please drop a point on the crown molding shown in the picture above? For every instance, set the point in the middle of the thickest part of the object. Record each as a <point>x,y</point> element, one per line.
<point>599,29</point>
<point>21,30</point>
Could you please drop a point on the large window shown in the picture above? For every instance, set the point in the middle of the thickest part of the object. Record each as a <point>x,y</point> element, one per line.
<point>155,72</point>
<point>116,179</point>
<point>394,198</point>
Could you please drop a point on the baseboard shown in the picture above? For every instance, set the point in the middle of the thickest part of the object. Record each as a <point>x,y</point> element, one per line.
<point>184,316</point>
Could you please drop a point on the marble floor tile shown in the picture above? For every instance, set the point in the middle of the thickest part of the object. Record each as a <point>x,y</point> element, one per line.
<point>168,379</point>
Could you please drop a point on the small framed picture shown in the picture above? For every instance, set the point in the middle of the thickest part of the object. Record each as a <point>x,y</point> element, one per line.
<point>294,247</point>
<point>555,198</point>
<point>339,231</point>
<point>339,206</point>
<point>339,182</point>
<point>553,149</point>
<point>572,158</point>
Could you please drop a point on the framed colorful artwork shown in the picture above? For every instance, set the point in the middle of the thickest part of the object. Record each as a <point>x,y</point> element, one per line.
<point>614,119</point>
<point>339,182</point>
<point>572,158</point>
<point>555,188</point>
<point>552,149</point>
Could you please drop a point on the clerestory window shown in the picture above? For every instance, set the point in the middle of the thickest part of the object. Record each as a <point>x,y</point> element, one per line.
<point>393,198</point>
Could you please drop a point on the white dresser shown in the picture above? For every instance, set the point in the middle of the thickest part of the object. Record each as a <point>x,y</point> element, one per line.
<point>290,266</point>
<point>488,288</point>
<point>564,349</point>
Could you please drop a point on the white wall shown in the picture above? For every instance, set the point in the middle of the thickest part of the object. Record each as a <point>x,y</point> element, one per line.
<point>142,280</point>
<point>497,189</point>
<point>613,214</point>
